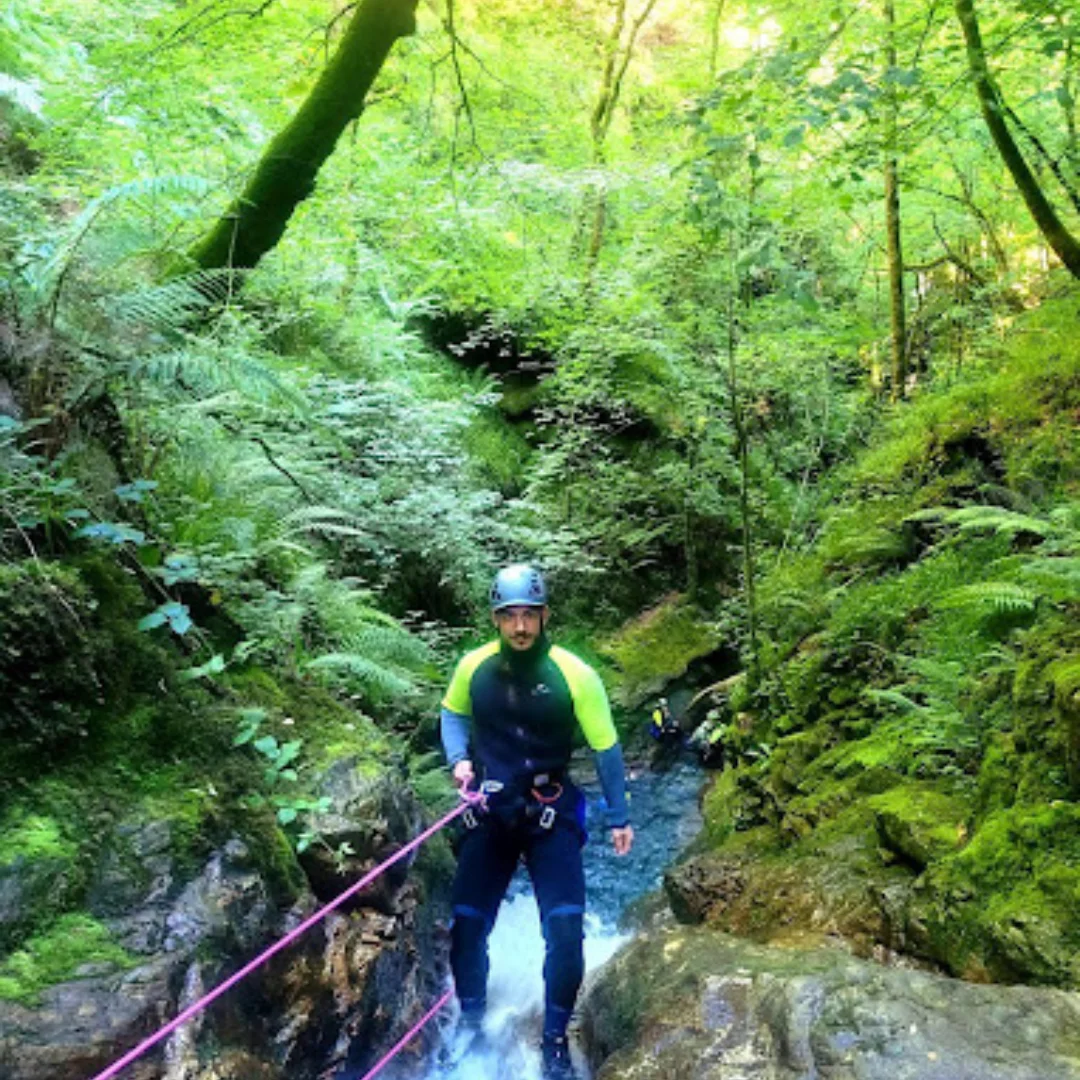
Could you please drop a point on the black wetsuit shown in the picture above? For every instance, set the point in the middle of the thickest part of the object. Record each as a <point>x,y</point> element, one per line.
<point>523,709</point>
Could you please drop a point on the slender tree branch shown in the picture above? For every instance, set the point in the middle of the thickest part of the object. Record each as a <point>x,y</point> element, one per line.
<point>1051,163</point>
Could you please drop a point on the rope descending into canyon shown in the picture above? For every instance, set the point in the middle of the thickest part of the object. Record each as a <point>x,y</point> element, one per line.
<point>469,799</point>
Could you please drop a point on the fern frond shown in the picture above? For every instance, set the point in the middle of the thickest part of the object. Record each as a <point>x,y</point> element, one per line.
<point>896,699</point>
<point>171,305</point>
<point>1057,577</point>
<point>323,520</point>
<point>47,277</point>
<point>999,520</point>
<point>203,371</point>
<point>370,674</point>
<point>1004,597</point>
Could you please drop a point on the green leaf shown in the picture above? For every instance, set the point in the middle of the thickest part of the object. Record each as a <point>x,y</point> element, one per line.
<point>214,666</point>
<point>152,621</point>
<point>174,613</point>
<point>251,719</point>
<point>112,533</point>
<point>267,746</point>
<point>289,752</point>
<point>134,491</point>
<point>286,815</point>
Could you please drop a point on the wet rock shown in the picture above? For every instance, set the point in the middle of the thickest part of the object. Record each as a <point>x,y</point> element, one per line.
<point>704,887</point>
<point>691,1002</point>
<point>339,996</point>
<point>838,890</point>
<point>369,818</point>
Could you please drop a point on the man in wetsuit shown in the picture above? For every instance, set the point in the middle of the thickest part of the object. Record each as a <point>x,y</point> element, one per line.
<point>508,724</point>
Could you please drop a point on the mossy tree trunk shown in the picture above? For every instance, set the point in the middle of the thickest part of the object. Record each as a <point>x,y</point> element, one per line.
<point>897,314</point>
<point>285,175</point>
<point>1064,244</point>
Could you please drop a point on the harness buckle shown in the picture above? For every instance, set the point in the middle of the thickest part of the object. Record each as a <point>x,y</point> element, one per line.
<point>492,787</point>
<point>547,817</point>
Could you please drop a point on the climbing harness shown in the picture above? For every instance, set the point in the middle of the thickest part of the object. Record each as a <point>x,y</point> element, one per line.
<point>469,800</point>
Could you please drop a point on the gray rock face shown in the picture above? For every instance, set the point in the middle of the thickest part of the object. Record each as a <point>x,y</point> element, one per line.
<point>335,997</point>
<point>699,1005</point>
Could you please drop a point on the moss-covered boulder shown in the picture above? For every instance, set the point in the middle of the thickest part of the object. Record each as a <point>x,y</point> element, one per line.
<point>39,873</point>
<point>690,1002</point>
<point>919,822</point>
<point>1005,906</point>
<point>658,647</point>
<point>172,911</point>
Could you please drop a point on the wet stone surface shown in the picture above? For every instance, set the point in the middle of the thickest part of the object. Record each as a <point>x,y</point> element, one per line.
<point>692,1002</point>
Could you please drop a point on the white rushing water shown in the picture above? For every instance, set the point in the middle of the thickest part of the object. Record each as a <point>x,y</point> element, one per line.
<point>508,1048</point>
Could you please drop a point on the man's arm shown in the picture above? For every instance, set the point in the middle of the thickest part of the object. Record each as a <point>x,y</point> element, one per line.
<point>456,729</point>
<point>593,713</point>
<point>612,774</point>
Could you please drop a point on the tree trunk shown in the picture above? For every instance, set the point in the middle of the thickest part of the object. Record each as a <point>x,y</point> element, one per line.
<point>716,21</point>
<point>617,59</point>
<point>742,445</point>
<point>285,175</point>
<point>1057,235</point>
<point>897,314</point>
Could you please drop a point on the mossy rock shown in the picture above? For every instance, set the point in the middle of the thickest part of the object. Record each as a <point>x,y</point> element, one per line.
<point>75,945</point>
<point>51,650</point>
<point>1006,904</point>
<point>658,647</point>
<point>39,873</point>
<point>792,755</point>
<point>919,822</point>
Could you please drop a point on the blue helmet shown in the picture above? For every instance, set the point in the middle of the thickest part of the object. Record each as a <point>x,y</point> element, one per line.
<point>518,585</point>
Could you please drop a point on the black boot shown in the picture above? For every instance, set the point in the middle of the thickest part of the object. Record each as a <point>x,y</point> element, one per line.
<point>556,1058</point>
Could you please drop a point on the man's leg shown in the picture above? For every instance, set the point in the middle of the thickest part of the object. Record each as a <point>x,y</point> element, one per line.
<point>553,858</point>
<point>486,862</point>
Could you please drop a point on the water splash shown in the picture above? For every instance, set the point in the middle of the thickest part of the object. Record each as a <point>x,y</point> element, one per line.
<point>664,808</point>
<point>506,1048</point>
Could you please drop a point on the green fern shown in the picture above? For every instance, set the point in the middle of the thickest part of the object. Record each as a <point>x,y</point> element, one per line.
<point>372,676</point>
<point>172,305</point>
<point>1002,597</point>
<point>46,276</point>
<point>999,520</point>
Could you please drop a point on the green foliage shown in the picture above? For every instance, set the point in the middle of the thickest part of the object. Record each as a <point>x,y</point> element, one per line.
<point>57,954</point>
<point>301,490</point>
<point>1022,867</point>
<point>659,646</point>
<point>51,651</point>
<point>33,837</point>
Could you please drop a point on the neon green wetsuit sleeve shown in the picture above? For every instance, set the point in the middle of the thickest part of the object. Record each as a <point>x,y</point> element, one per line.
<point>591,705</point>
<point>458,694</point>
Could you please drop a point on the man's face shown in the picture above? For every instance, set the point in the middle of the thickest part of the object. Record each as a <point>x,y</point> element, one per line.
<point>519,626</point>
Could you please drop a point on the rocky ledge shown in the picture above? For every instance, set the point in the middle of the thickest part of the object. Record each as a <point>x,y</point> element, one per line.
<point>694,1003</point>
<point>167,932</point>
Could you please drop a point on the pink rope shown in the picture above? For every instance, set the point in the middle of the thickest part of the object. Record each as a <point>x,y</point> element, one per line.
<point>193,1010</point>
<point>406,1039</point>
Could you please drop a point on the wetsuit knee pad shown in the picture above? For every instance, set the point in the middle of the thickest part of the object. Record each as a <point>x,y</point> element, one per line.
<point>564,966</point>
<point>468,955</point>
<point>564,927</point>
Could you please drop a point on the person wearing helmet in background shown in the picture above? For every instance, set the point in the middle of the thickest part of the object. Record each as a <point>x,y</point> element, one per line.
<point>508,723</point>
<point>663,726</point>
